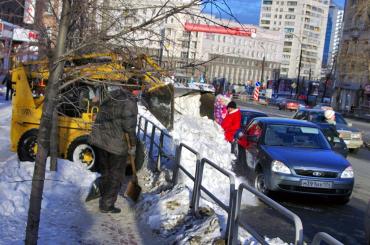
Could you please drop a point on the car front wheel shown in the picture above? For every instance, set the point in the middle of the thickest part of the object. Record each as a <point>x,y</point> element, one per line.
<point>260,183</point>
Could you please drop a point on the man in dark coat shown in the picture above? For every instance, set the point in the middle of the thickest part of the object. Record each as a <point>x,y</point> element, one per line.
<point>8,82</point>
<point>117,116</point>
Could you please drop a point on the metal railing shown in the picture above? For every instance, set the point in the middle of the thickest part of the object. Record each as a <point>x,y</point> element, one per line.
<point>235,196</point>
<point>325,237</point>
<point>178,167</point>
<point>152,140</point>
<point>230,208</point>
<point>268,201</point>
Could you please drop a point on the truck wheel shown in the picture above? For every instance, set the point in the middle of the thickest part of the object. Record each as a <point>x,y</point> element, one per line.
<point>79,151</point>
<point>27,146</point>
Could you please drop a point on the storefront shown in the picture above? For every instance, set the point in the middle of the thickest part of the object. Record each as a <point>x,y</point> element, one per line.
<point>6,37</point>
<point>348,96</point>
<point>25,44</point>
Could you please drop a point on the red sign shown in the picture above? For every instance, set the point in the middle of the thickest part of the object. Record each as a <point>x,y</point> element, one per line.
<point>236,31</point>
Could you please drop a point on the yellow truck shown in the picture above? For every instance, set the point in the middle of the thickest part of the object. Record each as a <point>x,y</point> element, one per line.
<point>85,83</point>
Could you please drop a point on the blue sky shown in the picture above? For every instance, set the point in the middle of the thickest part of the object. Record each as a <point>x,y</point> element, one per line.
<point>246,11</point>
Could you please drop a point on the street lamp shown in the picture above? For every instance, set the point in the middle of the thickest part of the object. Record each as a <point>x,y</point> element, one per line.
<point>263,61</point>
<point>300,61</point>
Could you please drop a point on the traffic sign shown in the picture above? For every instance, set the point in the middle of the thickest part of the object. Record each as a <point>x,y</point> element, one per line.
<point>258,84</point>
<point>294,85</point>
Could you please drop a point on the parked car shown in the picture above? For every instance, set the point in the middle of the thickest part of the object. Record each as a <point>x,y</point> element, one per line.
<point>288,104</point>
<point>351,136</point>
<point>367,224</point>
<point>248,115</point>
<point>294,156</point>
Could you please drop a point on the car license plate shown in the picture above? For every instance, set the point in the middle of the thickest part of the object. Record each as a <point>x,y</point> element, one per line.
<point>316,184</point>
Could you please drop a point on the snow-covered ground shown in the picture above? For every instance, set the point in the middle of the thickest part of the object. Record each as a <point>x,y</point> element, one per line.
<point>65,217</point>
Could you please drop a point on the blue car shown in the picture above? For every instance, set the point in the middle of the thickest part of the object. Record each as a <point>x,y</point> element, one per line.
<point>294,156</point>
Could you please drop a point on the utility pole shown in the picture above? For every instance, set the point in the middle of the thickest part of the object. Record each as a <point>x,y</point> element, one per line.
<point>299,71</point>
<point>263,67</point>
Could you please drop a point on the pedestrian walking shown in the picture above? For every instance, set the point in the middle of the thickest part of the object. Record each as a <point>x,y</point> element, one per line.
<point>117,115</point>
<point>231,123</point>
<point>8,83</point>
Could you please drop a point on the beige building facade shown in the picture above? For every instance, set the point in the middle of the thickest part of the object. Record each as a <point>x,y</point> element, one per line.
<point>304,25</point>
<point>353,65</point>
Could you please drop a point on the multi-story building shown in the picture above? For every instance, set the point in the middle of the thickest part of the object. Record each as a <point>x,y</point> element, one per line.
<point>242,58</point>
<point>333,36</point>
<point>207,53</point>
<point>353,65</point>
<point>304,24</point>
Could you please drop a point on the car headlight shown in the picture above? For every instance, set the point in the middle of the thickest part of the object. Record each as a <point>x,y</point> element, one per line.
<point>279,167</point>
<point>347,173</point>
<point>356,136</point>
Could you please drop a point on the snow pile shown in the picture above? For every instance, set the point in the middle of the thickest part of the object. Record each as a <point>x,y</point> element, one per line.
<point>168,214</point>
<point>165,211</point>
<point>188,105</point>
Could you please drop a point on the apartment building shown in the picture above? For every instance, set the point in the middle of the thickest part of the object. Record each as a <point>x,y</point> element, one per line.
<point>304,25</point>
<point>334,29</point>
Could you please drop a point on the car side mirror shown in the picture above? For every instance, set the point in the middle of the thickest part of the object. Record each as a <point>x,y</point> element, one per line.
<point>252,138</point>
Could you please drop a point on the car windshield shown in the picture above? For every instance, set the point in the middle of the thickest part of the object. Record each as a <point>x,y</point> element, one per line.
<point>295,136</point>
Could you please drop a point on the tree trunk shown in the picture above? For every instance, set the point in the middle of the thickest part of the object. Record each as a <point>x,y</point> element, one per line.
<point>54,139</point>
<point>45,129</point>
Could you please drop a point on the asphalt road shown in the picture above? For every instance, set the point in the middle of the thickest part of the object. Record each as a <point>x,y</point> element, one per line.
<point>344,222</point>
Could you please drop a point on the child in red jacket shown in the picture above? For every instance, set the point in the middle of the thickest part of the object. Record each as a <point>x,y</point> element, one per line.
<point>231,123</point>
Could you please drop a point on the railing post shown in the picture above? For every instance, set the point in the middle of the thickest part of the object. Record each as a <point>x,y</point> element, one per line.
<point>138,127</point>
<point>193,201</point>
<point>160,151</point>
<point>231,215</point>
<point>197,184</point>
<point>152,141</point>
<point>145,130</point>
<point>177,164</point>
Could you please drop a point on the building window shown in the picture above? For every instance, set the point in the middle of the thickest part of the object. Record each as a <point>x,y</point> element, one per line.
<point>184,54</point>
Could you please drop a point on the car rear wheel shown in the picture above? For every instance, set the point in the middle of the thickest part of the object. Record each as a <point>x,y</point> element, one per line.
<point>79,151</point>
<point>27,146</point>
<point>260,183</point>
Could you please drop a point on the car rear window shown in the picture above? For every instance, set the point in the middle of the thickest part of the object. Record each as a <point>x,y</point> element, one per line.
<point>295,136</point>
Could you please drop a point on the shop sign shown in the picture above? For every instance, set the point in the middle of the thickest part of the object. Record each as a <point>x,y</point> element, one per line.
<point>24,35</point>
<point>6,31</point>
<point>29,11</point>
